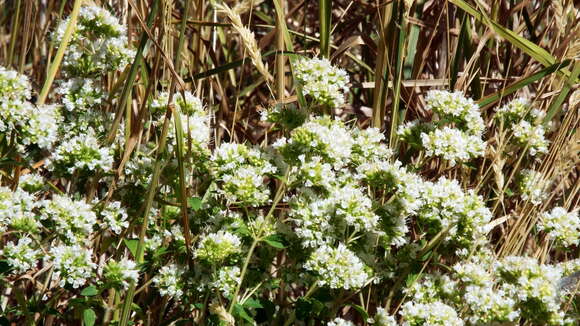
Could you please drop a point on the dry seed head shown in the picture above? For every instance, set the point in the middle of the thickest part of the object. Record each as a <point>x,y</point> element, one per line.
<point>248,39</point>
<point>245,6</point>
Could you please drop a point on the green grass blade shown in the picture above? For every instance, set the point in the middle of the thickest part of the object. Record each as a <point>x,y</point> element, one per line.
<point>398,115</point>
<point>133,71</point>
<point>325,16</point>
<point>556,105</point>
<point>60,53</point>
<point>521,43</point>
<point>290,47</point>
<point>493,98</point>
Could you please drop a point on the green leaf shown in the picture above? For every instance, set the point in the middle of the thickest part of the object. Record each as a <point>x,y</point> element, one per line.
<point>4,267</point>
<point>274,241</point>
<point>132,245</point>
<point>253,303</point>
<point>509,192</point>
<point>195,203</point>
<point>361,311</point>
<point>241,312</point>
<point>89,291</point>
<point>307,308</point>
<point>89,317</point>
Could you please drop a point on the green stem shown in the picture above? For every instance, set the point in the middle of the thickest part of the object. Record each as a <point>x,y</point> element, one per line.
<point>243,273</point>
<point>60,53</point>
<point>325,15</point>
<point>133,71</point>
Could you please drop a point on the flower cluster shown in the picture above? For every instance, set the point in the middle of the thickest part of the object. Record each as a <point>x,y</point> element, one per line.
<point>561,226</point>
<point>31,182</point>
<point>195,120</point>
<point>98,44</point>
<point>382,318</point>
<point>433,313</point>
<point>322,137</point>
<point>120,274</point>
<point>16,211</point>
<point>526,123</point>
<point>242,170</point>
<point>80,94</point>
<point>340,322</point>
<point>457,108</point>
<point>321,80</point>
<point>532,186</point>
<point>216,247</point>
<point>13,86</point>
<point>170,281</point>
<point>81,153</point>
<point>228,278</point>
<point>452,145</point>
<point>459,139</point>
<point>19,118</point>
<point>74,220</point>
<point>114,217</point>
<point>483,290</point>
<point>72,264</point>
<point>337,268</point>
<point>447,207</point>
<point>318,218</point>
<point>536,288</point>
<point>532,136</point>
<point>21,256</point>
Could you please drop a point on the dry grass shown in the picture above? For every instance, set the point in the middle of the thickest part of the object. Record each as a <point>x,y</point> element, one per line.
<point>394,51</point>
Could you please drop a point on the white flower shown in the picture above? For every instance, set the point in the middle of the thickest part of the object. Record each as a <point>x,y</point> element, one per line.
<point>242,171</point>
<point>216,247</point>
<point>82,152</point>
<point>432,314</point>
<point>169,281</point>
<point>74,220</point>
<point>561,226</point>
<point>122,273</point>
<point>99,43</point>
<point>31,182</point>
<point>322,137</point>
<point>227,280</point>
<point>195,120</point>
<point>16,210</point>
<point>382,318</point>
<point>456,106</point>
<point>489,305</point>
<point>31,124</point>
<point>21,256</point>
<point>452,145</point>
<point>515,110</point>
<point>533,136</point>
<point>13,86</point>
<point>446,205</point>
<point>324,82</point>
<point>80,94</point>
<point>337,268</point>
<point>73,264</point>
<point>534,286</point>
<point>532,186</point>
<point>340,322</point>
<point>115,217</point>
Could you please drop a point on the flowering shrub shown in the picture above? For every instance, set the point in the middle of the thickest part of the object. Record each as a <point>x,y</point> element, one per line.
<point>137,196</point>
